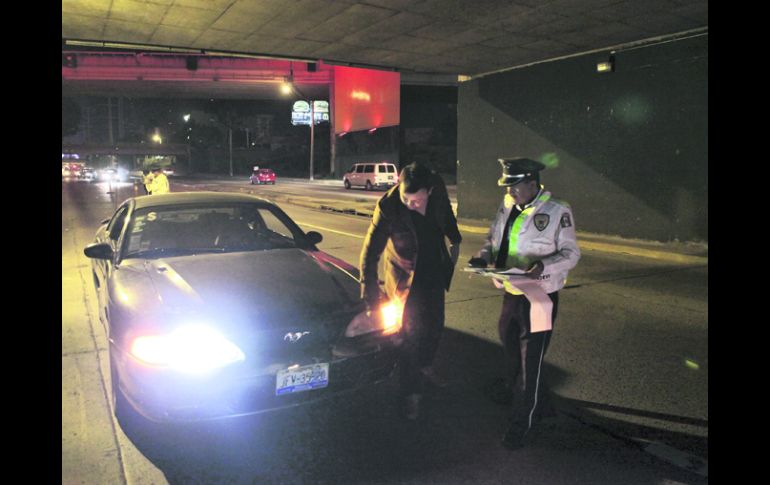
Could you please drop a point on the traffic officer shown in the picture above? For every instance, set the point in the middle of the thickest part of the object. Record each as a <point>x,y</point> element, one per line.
<point>533,232</point>
<point>159,183</point>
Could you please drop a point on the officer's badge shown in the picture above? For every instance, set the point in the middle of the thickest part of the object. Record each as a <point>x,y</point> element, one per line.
<point>565,220</point>
<point>541,221</point>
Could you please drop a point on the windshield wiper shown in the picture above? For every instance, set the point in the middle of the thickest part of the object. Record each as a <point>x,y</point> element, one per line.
<point>165,252</point>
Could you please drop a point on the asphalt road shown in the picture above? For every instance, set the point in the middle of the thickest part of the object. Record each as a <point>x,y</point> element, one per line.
<point>627,370</point>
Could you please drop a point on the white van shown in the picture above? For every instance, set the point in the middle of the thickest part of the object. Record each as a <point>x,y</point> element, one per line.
<point>370,175</point>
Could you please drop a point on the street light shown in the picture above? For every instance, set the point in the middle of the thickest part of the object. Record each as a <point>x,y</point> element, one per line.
<point>186,119</point>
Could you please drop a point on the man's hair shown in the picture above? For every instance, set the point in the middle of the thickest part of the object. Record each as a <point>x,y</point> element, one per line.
<point>416,176</point>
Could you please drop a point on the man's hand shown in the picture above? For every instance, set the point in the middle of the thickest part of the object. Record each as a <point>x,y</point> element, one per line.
<point>374,300</point>
<point>535,270</point>
<point>454,253</point>
<point>477,262</point>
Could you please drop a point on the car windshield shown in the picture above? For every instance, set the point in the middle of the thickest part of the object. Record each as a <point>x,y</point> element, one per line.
<point>182,230</point>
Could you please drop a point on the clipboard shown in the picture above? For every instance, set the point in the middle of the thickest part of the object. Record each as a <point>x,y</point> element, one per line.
<point>541,306</point>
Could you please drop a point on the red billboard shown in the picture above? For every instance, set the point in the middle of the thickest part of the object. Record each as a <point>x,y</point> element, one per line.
<point>365,99</point>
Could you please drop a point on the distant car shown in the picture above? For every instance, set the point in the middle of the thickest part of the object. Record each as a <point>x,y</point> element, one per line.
<point>262,176</point>
<point>371,175</point>
<point>219,305</point>
<point>112,175</point>
<point>87,174</point>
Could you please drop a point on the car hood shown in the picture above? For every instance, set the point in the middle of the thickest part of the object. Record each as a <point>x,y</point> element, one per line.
<point>261,290</point>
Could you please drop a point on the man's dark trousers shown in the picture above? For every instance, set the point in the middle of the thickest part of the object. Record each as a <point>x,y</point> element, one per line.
<point>524,353</point>
<point>423,324</point>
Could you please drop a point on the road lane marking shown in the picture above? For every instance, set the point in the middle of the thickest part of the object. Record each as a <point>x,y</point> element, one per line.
<point>331,230</point>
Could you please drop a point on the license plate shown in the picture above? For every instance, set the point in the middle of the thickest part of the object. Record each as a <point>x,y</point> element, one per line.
<point>390,177</point>
<point>305,378</point>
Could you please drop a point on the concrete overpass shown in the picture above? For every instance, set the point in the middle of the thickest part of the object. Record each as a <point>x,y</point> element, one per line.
<point>527,79</point>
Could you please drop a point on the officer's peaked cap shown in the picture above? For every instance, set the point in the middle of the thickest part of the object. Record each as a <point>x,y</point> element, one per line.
<point>517,169</point>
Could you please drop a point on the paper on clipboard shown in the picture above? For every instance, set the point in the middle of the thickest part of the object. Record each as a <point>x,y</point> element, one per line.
<point>541,306</point>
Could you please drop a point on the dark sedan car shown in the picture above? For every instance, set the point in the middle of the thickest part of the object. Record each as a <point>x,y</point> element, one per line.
<point>219,305</point>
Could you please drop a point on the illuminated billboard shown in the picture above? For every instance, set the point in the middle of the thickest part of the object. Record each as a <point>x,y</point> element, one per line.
<point>365,99</point>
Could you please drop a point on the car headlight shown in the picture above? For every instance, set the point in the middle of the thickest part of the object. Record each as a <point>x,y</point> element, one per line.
<point>387,320</point>
<point>192,349</point>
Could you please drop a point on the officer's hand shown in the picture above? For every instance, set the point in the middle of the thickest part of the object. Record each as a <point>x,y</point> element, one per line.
<point>535,270</point>
<point>477,263</point>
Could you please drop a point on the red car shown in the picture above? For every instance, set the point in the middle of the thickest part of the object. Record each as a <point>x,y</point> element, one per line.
<point>263,176</point>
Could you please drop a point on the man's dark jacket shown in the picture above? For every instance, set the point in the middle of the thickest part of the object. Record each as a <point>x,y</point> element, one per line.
<point>393,232</point>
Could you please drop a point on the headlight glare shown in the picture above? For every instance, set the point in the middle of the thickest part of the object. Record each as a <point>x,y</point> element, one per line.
<point>192,349</point>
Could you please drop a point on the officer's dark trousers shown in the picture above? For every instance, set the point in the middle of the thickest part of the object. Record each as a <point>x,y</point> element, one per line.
<point>524,352</point>
<point>423,324</point>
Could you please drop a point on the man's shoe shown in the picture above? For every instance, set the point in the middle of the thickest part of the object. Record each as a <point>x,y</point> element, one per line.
<point>412,406</point>
<point>513,439</point>
<point>431,378</point>
<point>499,392</point>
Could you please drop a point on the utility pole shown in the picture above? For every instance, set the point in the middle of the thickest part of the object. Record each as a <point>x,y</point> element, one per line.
<point>312,135</point>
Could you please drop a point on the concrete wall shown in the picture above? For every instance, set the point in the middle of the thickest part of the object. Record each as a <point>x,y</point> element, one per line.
<point>627,149</point>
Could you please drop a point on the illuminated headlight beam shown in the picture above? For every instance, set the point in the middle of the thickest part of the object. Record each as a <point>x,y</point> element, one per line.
<point>193,349</point>
<point>387,320</point>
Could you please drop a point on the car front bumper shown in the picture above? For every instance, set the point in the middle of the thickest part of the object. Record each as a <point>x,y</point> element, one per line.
<point>168,396</point>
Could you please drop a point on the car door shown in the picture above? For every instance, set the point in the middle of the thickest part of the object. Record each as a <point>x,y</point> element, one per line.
<point>103,268</point>
<point>369,175</point>
<point>358,175</point>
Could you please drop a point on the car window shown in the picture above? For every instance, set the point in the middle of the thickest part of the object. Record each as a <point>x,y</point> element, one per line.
<point>369,169</point>
<point>359,169</point>
<point>391,168</point>
<point>382,169</point>
<point>182,230</point>
<point>115,226</point>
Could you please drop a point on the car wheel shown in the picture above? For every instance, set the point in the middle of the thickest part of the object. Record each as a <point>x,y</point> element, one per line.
<point>369,185</point>
<point>347,184</point>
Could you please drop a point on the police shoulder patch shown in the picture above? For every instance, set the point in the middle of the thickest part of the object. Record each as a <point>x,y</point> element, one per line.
<point>566,221</point>
<point>541,221</point>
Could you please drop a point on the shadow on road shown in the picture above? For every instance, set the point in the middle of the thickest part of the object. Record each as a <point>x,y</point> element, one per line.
<point>362,439</point>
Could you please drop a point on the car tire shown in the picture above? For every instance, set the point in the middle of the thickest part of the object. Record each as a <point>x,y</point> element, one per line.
<point>369,186</point>
<point>347,184</point>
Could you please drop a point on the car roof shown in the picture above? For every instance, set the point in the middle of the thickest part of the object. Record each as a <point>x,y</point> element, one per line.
<point>191,198</point>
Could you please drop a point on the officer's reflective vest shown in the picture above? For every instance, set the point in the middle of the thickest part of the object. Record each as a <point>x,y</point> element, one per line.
<point>544,231</point>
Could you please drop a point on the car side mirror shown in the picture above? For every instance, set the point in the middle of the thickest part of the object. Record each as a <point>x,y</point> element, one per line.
<point>98,251</point>
<point>314,237</point>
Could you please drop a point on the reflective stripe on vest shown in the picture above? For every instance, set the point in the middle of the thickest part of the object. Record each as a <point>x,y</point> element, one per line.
<point>514,258</point>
